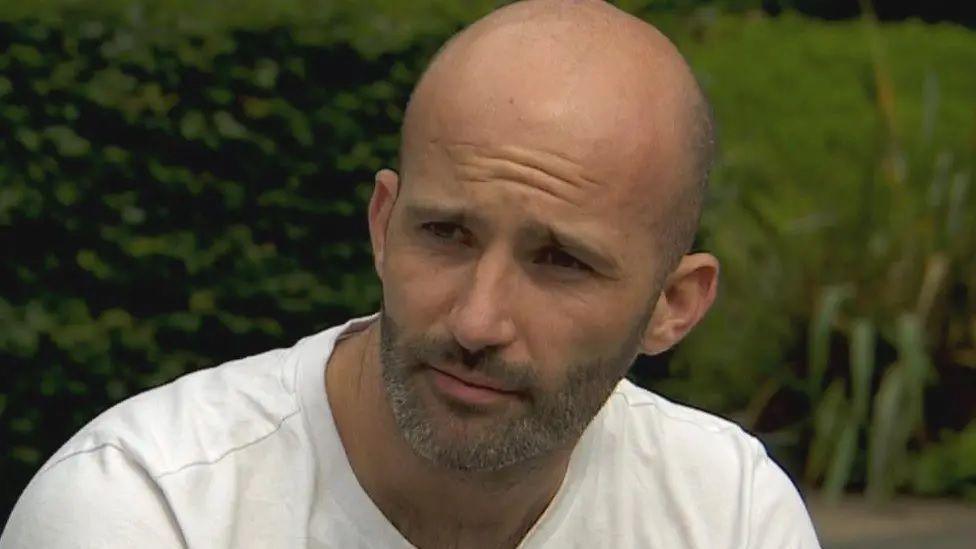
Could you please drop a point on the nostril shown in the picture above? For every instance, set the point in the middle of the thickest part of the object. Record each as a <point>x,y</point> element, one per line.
<point>469,358</point>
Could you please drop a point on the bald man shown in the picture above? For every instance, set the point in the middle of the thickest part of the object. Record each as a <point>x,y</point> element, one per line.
<point>535,241</point>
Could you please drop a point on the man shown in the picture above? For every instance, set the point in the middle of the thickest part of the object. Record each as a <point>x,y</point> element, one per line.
<point>553,161</point>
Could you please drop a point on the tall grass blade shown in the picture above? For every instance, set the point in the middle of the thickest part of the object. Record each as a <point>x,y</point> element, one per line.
<point>910,342</point>
<point>936,269</point>
<point>893,162</point>
<point>883,435</point>
<point>960,213</point>
<point>862,367</point>
<point>930,106</point>
<point>821,326</point>
<point>828,420</point>
<point>842,462</point>
<point>898,409</point>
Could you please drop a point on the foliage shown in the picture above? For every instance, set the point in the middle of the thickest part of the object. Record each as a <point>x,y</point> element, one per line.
<point>948,467</point>
<point>841,210</point>
<point>912,243</point>
<point>182,184</point>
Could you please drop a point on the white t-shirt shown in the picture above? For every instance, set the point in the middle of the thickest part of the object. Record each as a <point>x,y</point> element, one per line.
<point>247,455</point>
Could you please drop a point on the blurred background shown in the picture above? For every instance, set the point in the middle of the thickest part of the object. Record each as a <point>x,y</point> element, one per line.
<point>183,182</point>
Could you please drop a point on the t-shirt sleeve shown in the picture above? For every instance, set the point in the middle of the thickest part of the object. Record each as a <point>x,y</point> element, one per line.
<point>778,518</point>
<point>95,498</point>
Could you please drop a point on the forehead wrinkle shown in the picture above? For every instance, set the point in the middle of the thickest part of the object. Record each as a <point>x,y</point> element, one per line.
<point>550,173</point>
<point>551,163</point>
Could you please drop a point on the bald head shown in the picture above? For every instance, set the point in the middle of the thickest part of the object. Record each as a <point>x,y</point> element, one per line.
<point>583,81</point>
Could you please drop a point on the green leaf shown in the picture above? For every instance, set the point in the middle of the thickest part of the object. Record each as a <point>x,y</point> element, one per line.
<point>25,454</point>
<point>898,410</point>
<point>821,326</point>
<point>948,466</point>
<point>193,125</point>
<point>67,142</point>
<point>882,442</point>
<point>25,55</point>
<point>862,366</point>
<point>265,73</point>
<point>66,193</point>
<point>30,139</point>
<point>910,342</point>
<point>828,421</point>
<point>228,126</point>
<point>110,87</point>
<point>257,108</point>
<point>842,463</point>
<point>89,261</point>
<point>202,301</point>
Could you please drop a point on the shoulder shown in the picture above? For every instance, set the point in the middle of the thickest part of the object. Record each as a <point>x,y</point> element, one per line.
<point>711,480</point>
<point>219,455</point>
<point>689,450</point>
<point>196,418</point>
<point>108,484</point>
<point>652,423</point>
<point>100,498</point>
<point>705,450</point>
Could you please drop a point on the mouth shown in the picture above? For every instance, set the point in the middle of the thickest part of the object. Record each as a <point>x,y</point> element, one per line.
<point>471,389</point>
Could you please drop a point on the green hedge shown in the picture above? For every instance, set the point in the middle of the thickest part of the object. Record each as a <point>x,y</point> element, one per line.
<point>168,206</point>
<point>175,192</point>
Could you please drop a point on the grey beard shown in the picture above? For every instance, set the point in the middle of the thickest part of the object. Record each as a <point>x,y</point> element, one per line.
<point>550,421</point>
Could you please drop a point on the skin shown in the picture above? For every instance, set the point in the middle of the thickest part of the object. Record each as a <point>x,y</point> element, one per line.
<point>506,145</point>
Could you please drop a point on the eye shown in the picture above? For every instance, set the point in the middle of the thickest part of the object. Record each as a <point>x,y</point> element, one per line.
<point>559,258</point>
<point>443,230</point>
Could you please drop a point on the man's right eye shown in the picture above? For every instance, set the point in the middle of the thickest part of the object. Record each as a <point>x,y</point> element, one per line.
<point>445,231</point>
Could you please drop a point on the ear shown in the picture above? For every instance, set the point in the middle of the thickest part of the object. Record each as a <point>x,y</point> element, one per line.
<point>380,207</point>
<point>687,295</point>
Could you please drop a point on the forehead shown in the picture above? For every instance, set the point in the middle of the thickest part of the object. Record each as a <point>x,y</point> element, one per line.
<point>524,178</point>
<point>570,119</point>
<point>544,162</point>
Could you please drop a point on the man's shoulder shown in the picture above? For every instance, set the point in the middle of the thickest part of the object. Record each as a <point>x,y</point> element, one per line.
<point>653,413</point>
<point>657,436</point>
<point>196,418</point>
<point>170,465</point>
<point>655,473</point>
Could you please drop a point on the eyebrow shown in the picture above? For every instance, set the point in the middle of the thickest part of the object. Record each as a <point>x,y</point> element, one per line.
<point>441,213</point>
<point>589,252</point>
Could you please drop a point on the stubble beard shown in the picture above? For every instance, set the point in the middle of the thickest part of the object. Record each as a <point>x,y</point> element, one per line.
<point>550,420</point>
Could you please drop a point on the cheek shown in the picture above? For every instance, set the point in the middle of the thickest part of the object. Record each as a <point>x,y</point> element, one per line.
<point>566,332</point>
<point>416,291</point>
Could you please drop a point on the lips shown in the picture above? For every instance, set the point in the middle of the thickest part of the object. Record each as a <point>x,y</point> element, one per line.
<point>472,390</point>
<point>477,381</point>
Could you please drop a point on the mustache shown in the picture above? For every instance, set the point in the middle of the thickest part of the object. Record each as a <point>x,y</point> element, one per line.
<point>433,350</point>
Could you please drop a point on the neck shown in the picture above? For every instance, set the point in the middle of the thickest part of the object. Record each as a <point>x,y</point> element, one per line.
<point>430,505</point>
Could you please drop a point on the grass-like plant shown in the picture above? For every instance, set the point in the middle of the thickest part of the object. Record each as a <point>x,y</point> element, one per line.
<point>913,237</point>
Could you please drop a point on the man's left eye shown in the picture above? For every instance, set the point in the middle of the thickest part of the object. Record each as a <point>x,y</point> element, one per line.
<point>559,258</point>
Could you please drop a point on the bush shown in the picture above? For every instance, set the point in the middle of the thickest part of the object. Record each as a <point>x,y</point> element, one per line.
<point>842,211</point>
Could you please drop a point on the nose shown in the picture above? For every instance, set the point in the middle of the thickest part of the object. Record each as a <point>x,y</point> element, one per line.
<point>481,316</point>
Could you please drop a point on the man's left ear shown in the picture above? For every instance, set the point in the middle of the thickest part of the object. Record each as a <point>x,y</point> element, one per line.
<point>687,295</point>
